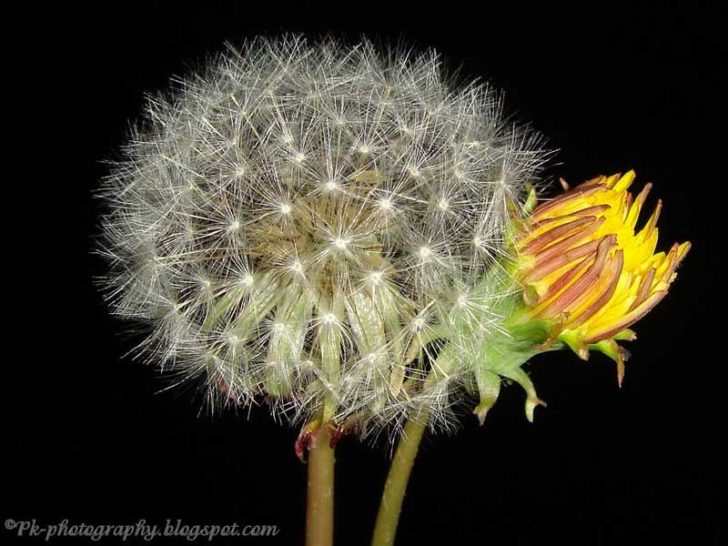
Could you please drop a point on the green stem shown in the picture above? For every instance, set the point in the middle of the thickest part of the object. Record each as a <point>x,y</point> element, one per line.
<point>385,528</point>
<point>320,492</point>
<point>320,496</point>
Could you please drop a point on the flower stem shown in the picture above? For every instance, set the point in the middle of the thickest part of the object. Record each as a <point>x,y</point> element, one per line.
<point>320,494</point>
<point>385,528</point>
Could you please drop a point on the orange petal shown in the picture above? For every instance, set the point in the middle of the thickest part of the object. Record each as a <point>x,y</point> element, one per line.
<point>644,289</point>
<point>629,318</point>
<point>558,261</point>
<point>557,233</point>
<point>575,290</point>
<point>581,191</point>
<point>612,273</point>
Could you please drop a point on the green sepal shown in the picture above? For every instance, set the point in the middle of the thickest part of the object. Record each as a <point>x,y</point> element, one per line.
<point>518,214</point>
<point>532,332</point>
<point>532,399</point>
<point>488,388</point>
<point>503,355</point>
<point>625,335</point>
<point>531,199</point>
<point>612,349</point>
<point>575,342</point>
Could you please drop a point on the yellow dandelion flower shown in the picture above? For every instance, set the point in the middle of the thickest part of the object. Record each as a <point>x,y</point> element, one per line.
<point>587,271</point>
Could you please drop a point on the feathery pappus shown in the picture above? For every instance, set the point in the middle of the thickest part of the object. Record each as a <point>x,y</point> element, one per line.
<point>296,223</point>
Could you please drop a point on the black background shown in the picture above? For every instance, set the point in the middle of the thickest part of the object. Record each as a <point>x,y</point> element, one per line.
<point>612,87</point>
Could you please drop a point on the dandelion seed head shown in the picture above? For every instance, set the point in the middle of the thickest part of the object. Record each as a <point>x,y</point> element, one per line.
<point>295,182</point>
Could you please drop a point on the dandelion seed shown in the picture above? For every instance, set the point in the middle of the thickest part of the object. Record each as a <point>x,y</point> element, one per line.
<point>341,244</point>
<point>385,204</point>
<point>375,277</point>
<point>425,253</point>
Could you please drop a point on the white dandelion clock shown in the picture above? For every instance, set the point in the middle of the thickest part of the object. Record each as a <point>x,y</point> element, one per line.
<point>297,223</point>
